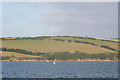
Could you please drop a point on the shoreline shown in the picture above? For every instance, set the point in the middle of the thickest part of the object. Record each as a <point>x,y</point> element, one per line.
<point>61,60</point>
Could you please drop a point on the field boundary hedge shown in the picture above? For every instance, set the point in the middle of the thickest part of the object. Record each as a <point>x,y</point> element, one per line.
<point>66,55</point>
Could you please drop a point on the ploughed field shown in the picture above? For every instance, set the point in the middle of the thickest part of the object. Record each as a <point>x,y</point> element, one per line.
<point>49,44</point>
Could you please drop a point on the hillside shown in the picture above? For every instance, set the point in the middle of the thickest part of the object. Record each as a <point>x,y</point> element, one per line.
<point>4,53</point>
<point>60,44</point>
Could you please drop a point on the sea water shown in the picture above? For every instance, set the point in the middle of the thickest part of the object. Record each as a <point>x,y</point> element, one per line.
<point>62,69</point>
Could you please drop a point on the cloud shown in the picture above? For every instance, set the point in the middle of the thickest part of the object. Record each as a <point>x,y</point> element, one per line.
<point>94,19</point>
<point>77,18</point>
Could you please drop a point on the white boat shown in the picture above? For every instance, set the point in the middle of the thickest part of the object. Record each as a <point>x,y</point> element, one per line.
<point>48,61</point>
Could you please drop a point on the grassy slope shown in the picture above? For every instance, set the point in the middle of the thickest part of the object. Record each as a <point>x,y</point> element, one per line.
<point>4,53</point>
<point>56,46</point>
<point>97,41</point>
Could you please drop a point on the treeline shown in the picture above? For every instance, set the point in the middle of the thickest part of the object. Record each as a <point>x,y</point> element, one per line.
<point>103,46</point>
<point>64,55</point>
<point>85,42</point>
<point>21,58</point>
<point>44,37</point>
<point>21,51</point>
<point>68,56</point>
<point>111,41</point>
<point>76,41</point>
<point>81,56</point>
<point>107,47</point>
<point>58,39</point>
<point>26,38</point>
<point>86,37</point>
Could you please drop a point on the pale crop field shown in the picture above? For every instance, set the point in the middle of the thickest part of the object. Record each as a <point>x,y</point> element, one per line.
<point>4,53</point>
<point>47,46</point>
<point>98,41</point>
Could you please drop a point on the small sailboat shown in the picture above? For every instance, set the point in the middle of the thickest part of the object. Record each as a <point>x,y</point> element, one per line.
<point>11,59</point>
<point>47,60</point>
<point>54,62</point>
<point>78,60</point>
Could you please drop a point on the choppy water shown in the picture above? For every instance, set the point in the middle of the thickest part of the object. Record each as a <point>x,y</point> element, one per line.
<point>62,69</point>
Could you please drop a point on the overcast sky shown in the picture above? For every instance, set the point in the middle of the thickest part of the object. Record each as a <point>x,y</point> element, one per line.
<point>93,19</point>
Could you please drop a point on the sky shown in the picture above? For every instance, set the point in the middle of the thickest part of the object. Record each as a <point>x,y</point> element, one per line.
<point>92,19</point>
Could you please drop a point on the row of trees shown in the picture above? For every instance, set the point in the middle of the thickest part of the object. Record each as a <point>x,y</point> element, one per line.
<point>78,41</point>
<point>26,38</point>
<point>21,58</point>
<point>85,42</point>
<point>65,55</point>
<point>107,47</point>
<point>44,37</point>
<point>21,51</point>
<point>111,41</point>
<point>81,56</point>
<point>59,39</point>
<point>103,46</point>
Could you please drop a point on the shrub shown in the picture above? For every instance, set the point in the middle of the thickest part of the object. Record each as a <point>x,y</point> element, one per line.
<point>85,42</point>
<point>59,39</point>
<point>22,51</point>
<point>69,40</point>
<point>107,47</point>
<point>62,55</point>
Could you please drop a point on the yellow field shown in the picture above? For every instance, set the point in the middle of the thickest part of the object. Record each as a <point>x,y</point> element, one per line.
<point>98,41</point>
<point>47,46</point>
<point>4,53</point>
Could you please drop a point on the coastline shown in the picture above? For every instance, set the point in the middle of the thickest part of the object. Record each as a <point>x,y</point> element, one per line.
<point>61,60</point>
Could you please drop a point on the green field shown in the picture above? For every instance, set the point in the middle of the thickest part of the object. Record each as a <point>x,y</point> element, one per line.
<point>70,44</point>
